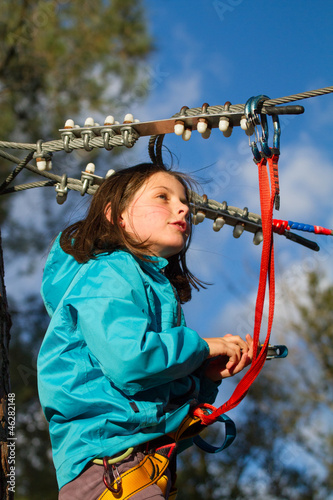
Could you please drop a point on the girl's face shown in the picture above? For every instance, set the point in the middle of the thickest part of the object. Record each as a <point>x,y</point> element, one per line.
<point>158,215</point>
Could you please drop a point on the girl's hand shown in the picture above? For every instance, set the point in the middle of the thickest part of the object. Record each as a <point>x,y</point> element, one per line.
<point>231,354</point>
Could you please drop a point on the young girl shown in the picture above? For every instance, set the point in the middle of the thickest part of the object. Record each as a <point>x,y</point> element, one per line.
<point>118,369</point>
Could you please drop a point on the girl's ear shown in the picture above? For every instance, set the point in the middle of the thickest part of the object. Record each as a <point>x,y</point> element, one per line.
<point>107,212</point>
<point>108,215</point>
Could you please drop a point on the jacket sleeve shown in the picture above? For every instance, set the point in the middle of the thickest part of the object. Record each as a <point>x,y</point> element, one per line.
<point>208,390</point>
<point>112,314</point>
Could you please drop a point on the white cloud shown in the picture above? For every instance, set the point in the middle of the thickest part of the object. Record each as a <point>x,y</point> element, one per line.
<point>306,179</point>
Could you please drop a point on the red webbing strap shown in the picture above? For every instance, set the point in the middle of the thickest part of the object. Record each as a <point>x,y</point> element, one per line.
<point>267,188</point>
<point>274,174</point>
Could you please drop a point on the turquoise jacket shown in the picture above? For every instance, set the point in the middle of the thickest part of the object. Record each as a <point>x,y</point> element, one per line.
<point>114,369</point>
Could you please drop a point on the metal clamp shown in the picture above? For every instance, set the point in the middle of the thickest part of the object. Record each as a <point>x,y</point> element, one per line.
<point>43,158</point>
<point>62,190</point>
<point>107,134</point>
<point>129,136</point>
<point>87,135</point>
<point>87,178</point>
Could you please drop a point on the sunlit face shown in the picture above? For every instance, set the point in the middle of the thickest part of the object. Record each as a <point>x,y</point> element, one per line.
<point>158,215</point>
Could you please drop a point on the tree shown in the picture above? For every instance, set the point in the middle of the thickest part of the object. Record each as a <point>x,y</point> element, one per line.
<point>58,59</point>
<point>35,471</point>
<point>5,409</point>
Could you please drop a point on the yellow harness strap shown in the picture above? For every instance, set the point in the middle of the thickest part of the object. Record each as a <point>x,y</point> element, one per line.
<point>148,471</point>
<point>189,427</point>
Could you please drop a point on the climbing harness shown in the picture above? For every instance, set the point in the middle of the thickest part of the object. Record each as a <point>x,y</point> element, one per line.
<point>159,454</point>
<point>151,470</point>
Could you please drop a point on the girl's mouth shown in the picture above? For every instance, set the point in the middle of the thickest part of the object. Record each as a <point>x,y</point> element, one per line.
<point>180,224</point>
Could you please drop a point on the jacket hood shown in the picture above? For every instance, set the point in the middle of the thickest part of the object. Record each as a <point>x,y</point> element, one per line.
<point>59,271</point>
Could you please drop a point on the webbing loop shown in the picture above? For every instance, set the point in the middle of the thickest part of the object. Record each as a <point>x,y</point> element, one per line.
<point>230,429</point>
<point>268,191</point>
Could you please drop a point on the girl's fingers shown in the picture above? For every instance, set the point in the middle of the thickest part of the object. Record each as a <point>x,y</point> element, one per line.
<point>237,340</point>
<point>232,354</point>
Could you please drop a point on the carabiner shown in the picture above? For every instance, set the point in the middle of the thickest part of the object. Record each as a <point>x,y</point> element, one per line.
<point>256,105</point>
<point>116,477</point>
<point>277,133</point>
<point>260,119</point>
<point>247,110</point>
<point>248,115</point>
<point>264,137</point>
<point>254,117</point>
<point>255,151</point>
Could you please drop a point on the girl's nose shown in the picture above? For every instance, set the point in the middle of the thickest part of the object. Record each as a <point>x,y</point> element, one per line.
<point>184,208</point>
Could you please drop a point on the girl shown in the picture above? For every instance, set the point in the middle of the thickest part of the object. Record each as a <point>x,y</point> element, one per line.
<point>118,368</point>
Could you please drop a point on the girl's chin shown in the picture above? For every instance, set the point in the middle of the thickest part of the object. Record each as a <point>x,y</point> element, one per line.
<point>171,251</point>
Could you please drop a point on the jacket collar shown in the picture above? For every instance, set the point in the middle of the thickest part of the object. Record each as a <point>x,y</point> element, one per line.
<point>154,262</point>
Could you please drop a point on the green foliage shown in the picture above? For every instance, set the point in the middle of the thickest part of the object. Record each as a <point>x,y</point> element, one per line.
<point>58,56</point>
<point>35,474</point>
<point>315,325</point>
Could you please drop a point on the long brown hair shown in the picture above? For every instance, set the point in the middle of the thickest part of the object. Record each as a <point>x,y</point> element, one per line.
<point>97,234</point>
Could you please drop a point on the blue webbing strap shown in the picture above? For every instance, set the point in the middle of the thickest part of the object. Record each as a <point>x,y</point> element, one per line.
<point>230,434</point>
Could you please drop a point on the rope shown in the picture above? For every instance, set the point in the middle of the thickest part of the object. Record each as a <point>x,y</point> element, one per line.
<point>73,184</point>
<point>58,145</point>
<point>298,97</point>
<point>15,172</point>
<point>117,140</point>
<point>239,108</point>
<point>31,185</point>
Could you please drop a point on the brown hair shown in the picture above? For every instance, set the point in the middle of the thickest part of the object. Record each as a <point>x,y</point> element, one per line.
<point>96,234</point>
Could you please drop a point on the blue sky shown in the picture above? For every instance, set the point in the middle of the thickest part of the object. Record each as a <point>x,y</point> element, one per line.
<point>218,51</point>
<point>214,51</point>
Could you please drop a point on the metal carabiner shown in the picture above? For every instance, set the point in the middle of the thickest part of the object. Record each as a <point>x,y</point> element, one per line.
<point>255,117</point>
<point>256,105</point>
<point>116,477</point>
<point>277,134</point>
<point>249,118</point>
<point>255,151</point>
<point>247,110</point>
<point>259,118</point>
<point>264,137</point>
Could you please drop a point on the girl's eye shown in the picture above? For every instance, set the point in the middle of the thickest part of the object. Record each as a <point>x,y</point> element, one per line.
<point>162,196</point>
